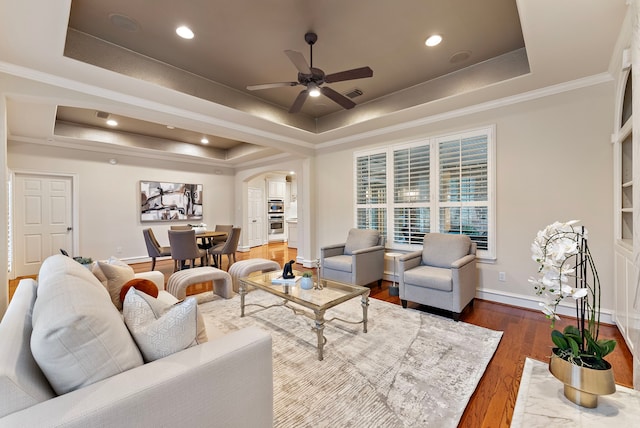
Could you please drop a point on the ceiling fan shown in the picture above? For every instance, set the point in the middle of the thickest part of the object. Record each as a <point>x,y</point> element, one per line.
<point>314,79</point>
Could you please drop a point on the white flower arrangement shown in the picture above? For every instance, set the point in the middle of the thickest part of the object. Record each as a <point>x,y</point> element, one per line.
<point>566,269</point>
<point>553,247</point>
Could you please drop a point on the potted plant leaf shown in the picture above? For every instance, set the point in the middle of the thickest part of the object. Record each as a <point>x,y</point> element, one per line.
<point>566,269</point>
<point>306,282</point>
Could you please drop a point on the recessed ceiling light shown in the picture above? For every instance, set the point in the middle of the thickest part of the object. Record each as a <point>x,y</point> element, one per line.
<point>184,32</point>
<point>112,122</point>
<point>204,140</point>
<point>433,40</point>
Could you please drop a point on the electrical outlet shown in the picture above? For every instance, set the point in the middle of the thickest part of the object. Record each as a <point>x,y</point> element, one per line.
<point>502,277</point>
<point>118,250</point>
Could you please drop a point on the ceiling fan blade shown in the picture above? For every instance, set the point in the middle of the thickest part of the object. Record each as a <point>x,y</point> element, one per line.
<point>271,85</point>
<point>337,97</point>
<point>300,99</point>
<point>298,60</point>
<point>356,73</point>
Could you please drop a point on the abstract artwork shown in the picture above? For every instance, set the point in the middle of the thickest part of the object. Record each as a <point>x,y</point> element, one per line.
<point>170,201</point>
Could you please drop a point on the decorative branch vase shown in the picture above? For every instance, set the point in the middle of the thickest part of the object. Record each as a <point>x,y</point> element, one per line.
<point>582,385</point>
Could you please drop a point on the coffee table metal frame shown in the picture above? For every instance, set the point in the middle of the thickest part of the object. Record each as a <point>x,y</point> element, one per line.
<point>318,301</point>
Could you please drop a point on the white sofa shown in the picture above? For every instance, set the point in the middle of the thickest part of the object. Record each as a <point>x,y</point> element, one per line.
<point>227,381</point>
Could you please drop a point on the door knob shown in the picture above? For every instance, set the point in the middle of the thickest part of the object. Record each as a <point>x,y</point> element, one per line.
<point>69,228</point>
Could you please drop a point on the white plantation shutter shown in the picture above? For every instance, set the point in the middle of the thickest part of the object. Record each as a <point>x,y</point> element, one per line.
<point>442,184</point>
<point>412,181</point>
<point>371,192</point>
<point>463,187</point>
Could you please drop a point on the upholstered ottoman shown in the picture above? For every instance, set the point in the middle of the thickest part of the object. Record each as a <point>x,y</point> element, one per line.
<point>179,281</point>
<point>247,267</point>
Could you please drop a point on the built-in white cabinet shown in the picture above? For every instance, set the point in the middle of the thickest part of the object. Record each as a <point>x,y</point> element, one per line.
<point>292,234</point>
<point>277,189</point>
<point>627,207</point>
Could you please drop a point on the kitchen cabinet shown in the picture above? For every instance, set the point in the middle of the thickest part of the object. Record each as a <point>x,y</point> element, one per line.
<point>292,232</point>
<point>277,189</point>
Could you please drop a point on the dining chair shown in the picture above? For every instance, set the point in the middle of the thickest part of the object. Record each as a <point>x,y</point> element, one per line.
<point>226,228</point>
<point>229,247</point>
<point>154,249</point>
<point>185,249</point>
<point>181,227</point>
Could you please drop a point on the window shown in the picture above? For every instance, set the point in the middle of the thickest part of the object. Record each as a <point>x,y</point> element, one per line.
<point>442,184</point>
<point>371,193</point>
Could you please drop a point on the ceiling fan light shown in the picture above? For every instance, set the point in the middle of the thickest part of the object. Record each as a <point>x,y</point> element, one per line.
<point>314,91</point>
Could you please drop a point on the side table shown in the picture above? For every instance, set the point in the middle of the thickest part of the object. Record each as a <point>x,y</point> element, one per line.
<point>393,289</point>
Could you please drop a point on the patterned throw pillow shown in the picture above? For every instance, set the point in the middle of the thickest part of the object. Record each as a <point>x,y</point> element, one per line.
<point>160,329</point>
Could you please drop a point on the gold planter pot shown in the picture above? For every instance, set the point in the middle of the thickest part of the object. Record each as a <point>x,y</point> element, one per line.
<point>582,385</point>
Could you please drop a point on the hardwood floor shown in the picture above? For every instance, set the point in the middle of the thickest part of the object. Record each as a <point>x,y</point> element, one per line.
<point>525,334</point>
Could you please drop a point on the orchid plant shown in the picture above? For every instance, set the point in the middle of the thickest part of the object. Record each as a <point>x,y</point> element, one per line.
<point>566,269</point>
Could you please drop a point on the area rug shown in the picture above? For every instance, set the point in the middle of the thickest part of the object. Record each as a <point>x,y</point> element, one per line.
<point>541,403</point>
<point>411,369</point>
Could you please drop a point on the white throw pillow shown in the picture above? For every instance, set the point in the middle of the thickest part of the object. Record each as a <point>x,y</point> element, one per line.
<point>78,336</point>
<point>117,274</point>
<point>160,329</point>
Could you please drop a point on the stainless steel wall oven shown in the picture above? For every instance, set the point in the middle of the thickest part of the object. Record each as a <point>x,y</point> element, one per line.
<point>276,206</point>
<point>276,224</point>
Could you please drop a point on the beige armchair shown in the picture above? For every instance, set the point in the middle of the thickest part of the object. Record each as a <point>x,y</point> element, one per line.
<point>442,275</point>
<point>359,261</point>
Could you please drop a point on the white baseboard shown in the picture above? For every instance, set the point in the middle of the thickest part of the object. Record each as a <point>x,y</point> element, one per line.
<point>306,262</point>
<point>529,302</point>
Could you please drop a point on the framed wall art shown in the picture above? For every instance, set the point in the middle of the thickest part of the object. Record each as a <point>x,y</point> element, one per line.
<point>170,201</point>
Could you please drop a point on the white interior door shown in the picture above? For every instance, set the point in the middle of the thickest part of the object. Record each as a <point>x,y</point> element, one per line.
<point>256,207</point>
<point>43,220</point>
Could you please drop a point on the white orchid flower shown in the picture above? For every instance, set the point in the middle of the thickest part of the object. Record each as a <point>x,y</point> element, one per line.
<point>549,312</point>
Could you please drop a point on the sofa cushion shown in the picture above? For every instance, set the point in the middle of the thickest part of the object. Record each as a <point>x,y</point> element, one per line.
<point>160,329</point>
<point>117,275</point>
<point>78,335</point>
<point>22,383</point>
<point>141,284</point>
<point>441,249</point>
<point>361,238</point>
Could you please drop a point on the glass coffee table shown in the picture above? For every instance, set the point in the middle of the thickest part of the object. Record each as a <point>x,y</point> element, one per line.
<point>316,300</point>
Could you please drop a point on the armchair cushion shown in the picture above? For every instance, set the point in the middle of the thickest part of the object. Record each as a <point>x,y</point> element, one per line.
<point>341,263</point>
<point>361,238</point>
<point>440,250</point>
<point>430,277</point>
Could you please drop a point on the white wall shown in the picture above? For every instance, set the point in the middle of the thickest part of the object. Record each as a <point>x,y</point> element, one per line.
<point>554,162</point>
<point>109,194</point>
